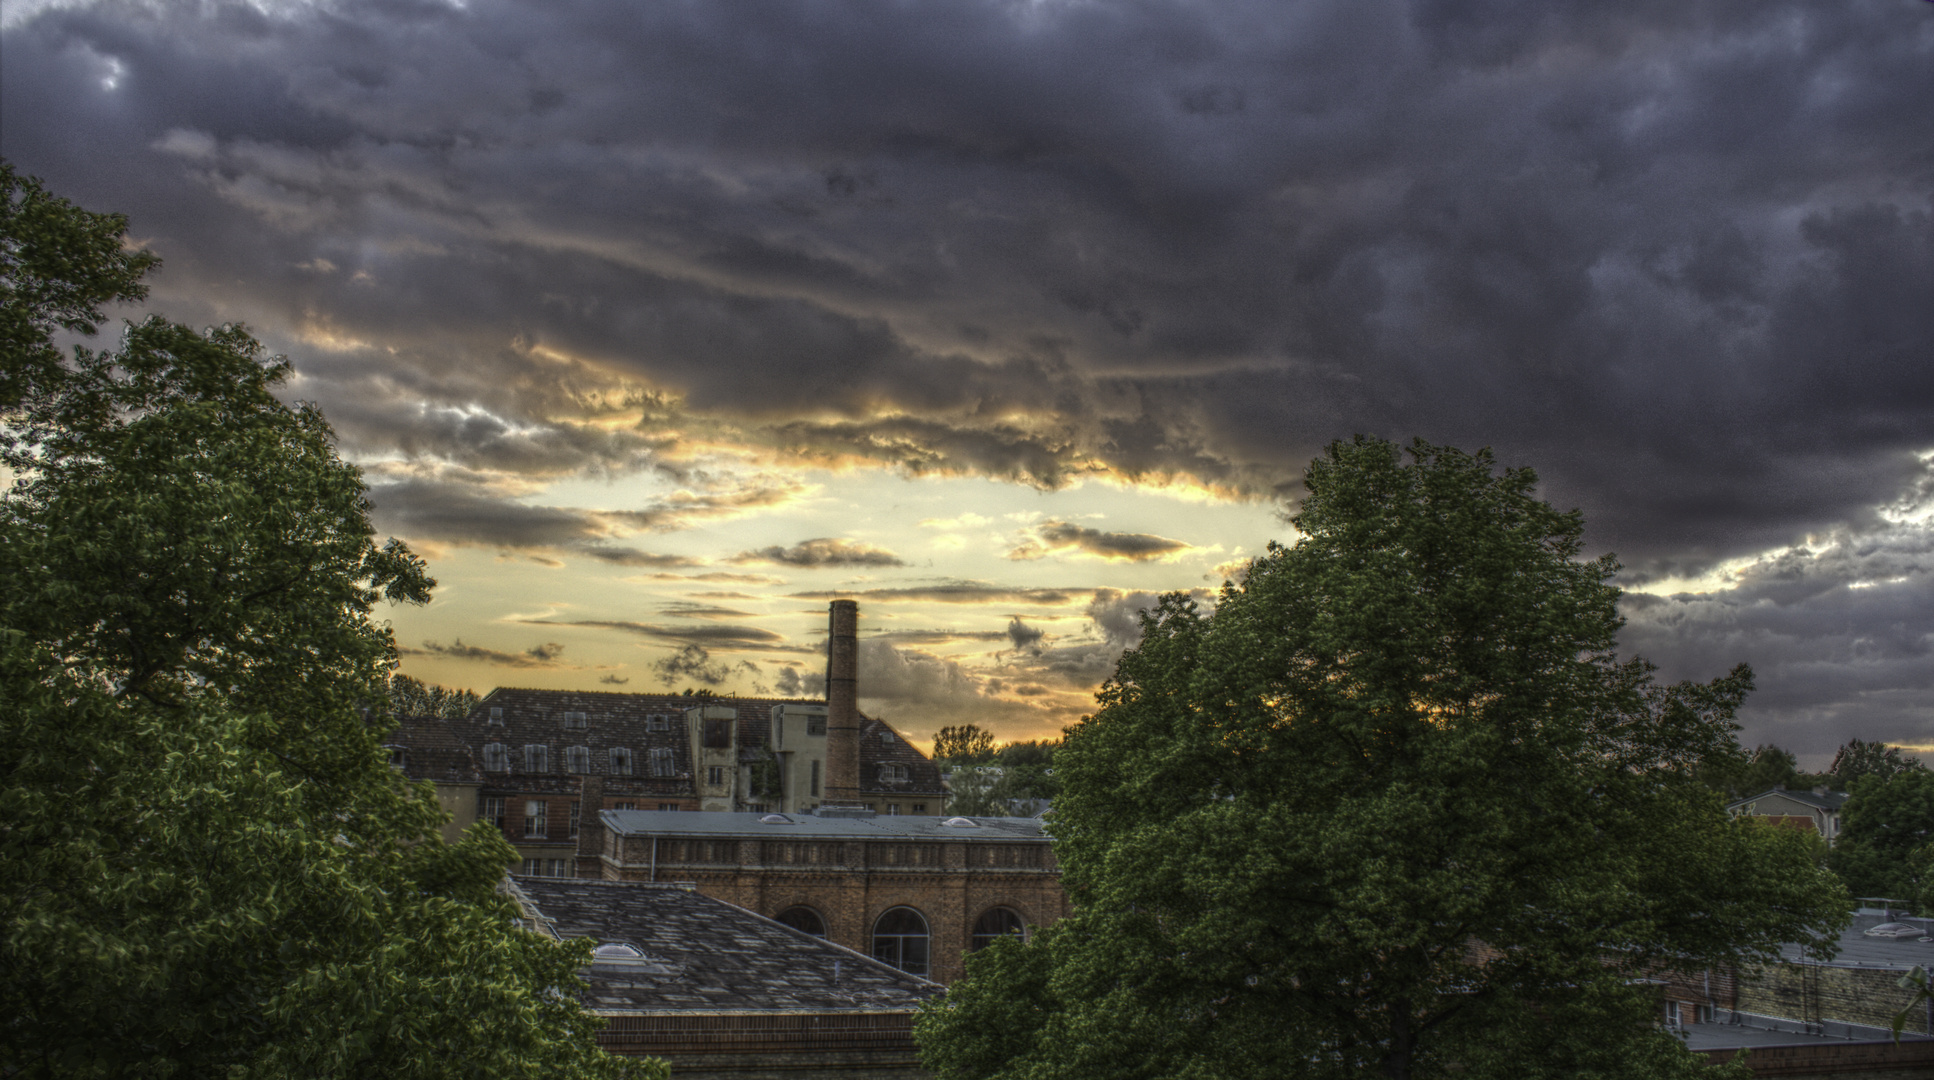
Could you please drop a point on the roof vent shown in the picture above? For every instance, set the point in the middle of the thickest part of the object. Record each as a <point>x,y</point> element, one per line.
<point>777,819</point>
<point>961,823</point>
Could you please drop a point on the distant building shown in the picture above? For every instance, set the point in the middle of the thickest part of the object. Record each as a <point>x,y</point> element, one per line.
<point>913,892</point>
<point>424,748</point>
<point>723,993</point>
<point>1818,809</point>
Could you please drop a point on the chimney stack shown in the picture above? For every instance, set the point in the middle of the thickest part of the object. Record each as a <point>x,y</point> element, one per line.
<point>842,705</point>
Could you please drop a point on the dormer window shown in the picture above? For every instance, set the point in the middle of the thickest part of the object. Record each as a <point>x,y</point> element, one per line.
<point>658,722</point>
<point>893,774</point>
<point>496,757</point>
<point>576,720</point>
<point>497,715</point>
<point>661,762</point>
<point>577,759</point>
<point>397,756</point>
<point>620,761</point>
<point>537,758</point>
<point>886,738</point>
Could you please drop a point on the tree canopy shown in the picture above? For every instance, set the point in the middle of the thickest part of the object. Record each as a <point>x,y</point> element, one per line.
<point>1394,808</point>
<point>1886,842</point>
<point>965,744</point>
<point>205,863</point>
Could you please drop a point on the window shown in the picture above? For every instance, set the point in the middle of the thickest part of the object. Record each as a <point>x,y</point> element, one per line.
<point>493,810</point>
<point>900,939</point>
<point>886,738</point>
<point>397,756</point>
<point>537,758</point>
<point>658,722</point>
<point>575,720</point>
<point>892,809</point>
<point>496,715</point>
<point>577,759</point>
<point>661,762</point>
<point>892,773</point>
<point>620,761</point>
<point>815,723</point>
<point>715,775</point>
<point>560,868</point>
<point>534,819</point>
<point>667,806</point>
<point>624,806</point>
<point>815,779</point>
<point>496,758</point>
<point>919,808</point>
<point>998,922</point>
<point>533,868</point>
<point>803,919</point>
<point>574,820</point>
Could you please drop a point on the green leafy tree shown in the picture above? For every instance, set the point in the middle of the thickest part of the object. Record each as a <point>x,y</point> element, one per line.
<point>1886,822</point>
<point>963,745</point>
<point>412,697</point>
<point>1859,758</point>
<point>205,864</point>
<point>1394,809</point>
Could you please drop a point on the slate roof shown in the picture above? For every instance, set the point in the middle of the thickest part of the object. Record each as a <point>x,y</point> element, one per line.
<point>705,955</point>
<point>1832,800</point>
<point>810,827</point>
<point>431,751</point>
<point>535,717</point>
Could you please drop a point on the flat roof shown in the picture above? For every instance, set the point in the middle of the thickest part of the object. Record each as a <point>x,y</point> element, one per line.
<point>1858,950</point>
<point>807,826</point>
<point>698,954</point>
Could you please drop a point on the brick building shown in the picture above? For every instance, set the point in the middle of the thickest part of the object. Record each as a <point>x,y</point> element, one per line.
<point>914,892</point>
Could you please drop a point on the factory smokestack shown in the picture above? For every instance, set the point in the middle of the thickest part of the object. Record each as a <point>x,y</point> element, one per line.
<point>842,704</point>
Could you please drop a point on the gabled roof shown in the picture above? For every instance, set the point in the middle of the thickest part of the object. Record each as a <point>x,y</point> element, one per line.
<point>697,954</point>
<point>1832,800</point>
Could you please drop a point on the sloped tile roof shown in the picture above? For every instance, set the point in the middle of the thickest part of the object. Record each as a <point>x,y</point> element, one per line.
<point>701,954</point>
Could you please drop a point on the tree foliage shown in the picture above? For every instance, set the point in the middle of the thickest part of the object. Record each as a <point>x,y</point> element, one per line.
<point>205,864</point>
<point>1886,842</point>
<point>1394,808</point>
<point>965,744</point>
<point>1859,758</point>
<point>413,697</point>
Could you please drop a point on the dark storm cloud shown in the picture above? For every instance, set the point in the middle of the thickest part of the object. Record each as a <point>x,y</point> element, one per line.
<point>1052,536</point>
<point>546,655</point>
<point>822,552</point>
<point>963,592</point>
<point>1676,256</point>
<point>737,638</point>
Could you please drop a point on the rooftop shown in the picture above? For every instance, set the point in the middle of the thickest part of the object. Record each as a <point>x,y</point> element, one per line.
<point>1859,950</point>
<point>1831,800</point>
<point>691,953</point>
<point>807,826</point>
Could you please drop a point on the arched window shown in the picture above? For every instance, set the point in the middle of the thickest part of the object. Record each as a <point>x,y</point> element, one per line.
<point>900,939</point>
<point>577,759</point>
<point>803,919</point>
<point>620,761</point>
<point>998,922</point>
<point>496,758</point>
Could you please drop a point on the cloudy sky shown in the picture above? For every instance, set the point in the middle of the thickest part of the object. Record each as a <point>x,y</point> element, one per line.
<point>655,324</point>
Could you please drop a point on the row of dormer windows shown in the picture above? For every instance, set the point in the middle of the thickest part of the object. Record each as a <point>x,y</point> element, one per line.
<point>579,721</point>
<point>620,760</point>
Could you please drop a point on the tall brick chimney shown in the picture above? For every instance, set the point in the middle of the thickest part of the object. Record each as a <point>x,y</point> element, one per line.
<point>842,704</point>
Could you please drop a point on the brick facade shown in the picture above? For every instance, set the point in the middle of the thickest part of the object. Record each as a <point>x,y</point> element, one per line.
<point>850,882</point>
<point>1811,993</point>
